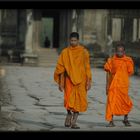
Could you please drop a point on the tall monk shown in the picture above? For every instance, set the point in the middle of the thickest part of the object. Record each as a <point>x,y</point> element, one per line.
<point>118,69</point>
<point>73,75</point>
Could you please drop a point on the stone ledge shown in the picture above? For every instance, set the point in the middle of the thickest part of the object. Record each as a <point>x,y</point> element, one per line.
<point>29,55</point>
<point>29,59</point>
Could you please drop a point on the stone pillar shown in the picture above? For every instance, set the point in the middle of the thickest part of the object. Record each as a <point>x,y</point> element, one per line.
<point>29,57</point>
<point>116,29</point>
<point>0,31</point>
<point>29,33</point>
<point>95,27</point>
<point>1,40</point>
<point>134,29</point>
<point>77,22</point>
<point>69,23</point>
<point>36,30</point>
<point>74,21</point>
<point>63,30</point>
<point>0,34</point>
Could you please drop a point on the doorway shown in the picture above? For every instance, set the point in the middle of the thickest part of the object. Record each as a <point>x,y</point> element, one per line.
<point>50,29</point>
<point>47,32</point>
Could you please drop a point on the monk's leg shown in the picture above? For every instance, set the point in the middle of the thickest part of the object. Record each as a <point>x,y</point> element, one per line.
<point>74,119</point>
<point>111,123</point>
<point>125,121</point>
<point>68,119</point>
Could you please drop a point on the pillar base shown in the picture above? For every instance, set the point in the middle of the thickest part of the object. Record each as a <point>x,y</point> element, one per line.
<point>29,59</point>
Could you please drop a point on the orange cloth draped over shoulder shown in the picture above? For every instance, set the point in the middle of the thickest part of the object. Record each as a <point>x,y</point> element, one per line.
<point>74,64</point>
<point>118,100</point>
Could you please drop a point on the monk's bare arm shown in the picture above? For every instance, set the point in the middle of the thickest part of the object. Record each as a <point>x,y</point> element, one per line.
<point>107,82</point>
<point>130,67</point>
<point>88,70</point>
<point>61,87</point>
<point>88,84</point>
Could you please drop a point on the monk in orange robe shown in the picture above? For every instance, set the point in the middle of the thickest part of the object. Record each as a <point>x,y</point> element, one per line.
<point>73,75</point>
<point>118,69</point>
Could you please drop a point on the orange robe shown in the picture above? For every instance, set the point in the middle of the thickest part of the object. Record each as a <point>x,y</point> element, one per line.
<point>74,64</point>
<point>118,100</point>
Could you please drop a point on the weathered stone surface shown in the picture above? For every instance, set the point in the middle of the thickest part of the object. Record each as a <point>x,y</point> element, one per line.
<point>31,101</point>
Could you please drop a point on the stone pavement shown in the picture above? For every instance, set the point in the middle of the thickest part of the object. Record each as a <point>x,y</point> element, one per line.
<point>31,101</point>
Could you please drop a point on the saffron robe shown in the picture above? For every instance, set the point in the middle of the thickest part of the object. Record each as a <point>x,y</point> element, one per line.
<point>118,100</point>
<point>74,65</point>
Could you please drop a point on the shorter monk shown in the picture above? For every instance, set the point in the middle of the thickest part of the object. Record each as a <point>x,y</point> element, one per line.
<point>73,76</point>
<point>118,69</point>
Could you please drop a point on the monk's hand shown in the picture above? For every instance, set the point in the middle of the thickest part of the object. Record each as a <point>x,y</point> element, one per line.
<point>61,88</point>
<point>106,91</point>
<point>88,85</point>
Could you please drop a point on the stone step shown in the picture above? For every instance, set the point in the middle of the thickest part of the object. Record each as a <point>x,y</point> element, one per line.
<point>47,57</point>
<point>97,62</point>
<point>46,65</point>
<point>47,62</point>
<point>47,50</point>
<point>50,55</point>
<point>55,52</point>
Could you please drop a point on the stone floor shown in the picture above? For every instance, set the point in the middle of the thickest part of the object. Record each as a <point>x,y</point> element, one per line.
<point>31,101</point>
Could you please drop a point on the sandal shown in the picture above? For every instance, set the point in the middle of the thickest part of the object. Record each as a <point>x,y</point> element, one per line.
<point>111,124</point>
<point>126,123</point>
<point>75,126</point>
<point>68,120</point>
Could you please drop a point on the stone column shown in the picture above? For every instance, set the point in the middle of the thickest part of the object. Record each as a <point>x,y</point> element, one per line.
<point>116,29</point>
<point>36,30</point>
<point>0,31</point>
<point>29,32</point>
<point>74,21</point>
<point>29,56</point>
<point>63,29</point>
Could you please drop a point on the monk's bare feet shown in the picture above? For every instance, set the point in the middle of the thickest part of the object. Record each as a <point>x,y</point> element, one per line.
<point>126,123</point>
<point>75,126</point>
<point>68,120</point>
<point>111,124</point>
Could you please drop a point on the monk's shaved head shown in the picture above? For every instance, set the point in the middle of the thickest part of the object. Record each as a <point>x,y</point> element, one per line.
<point>120,50</point>
<point>120,45</point>
<point>74,35</point>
